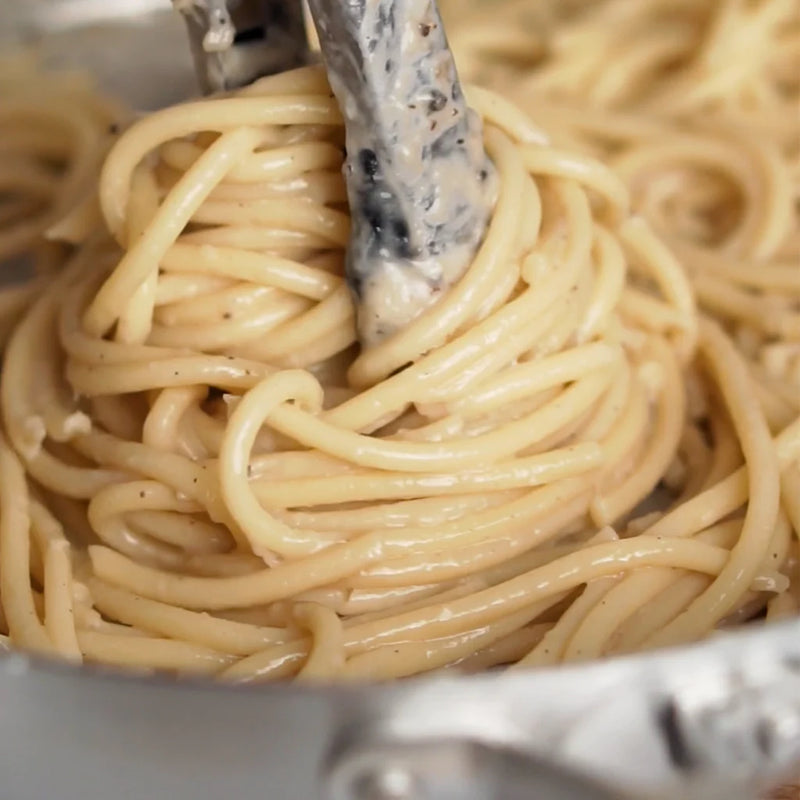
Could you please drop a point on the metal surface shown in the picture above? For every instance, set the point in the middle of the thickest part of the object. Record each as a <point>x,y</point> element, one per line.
<point>718,720</point>
<point>136,49</point>
<point>715,721</point>
<point>236,41</point>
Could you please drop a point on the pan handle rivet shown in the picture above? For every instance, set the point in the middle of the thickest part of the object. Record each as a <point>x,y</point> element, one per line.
<point>386,783</point>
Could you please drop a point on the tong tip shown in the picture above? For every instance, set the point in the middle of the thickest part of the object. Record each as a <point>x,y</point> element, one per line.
<point>235,42</point>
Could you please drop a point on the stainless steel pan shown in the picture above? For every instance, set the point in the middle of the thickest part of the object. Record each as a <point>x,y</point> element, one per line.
<point>718,720</point>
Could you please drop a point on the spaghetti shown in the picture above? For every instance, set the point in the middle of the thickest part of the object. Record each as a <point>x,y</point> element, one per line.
<point>701,125</point>
<point>54,130</point>
<point>561,459</point>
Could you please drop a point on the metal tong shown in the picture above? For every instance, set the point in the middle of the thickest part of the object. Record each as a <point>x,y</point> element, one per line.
<point>418,179</point>
<point>234,42</point>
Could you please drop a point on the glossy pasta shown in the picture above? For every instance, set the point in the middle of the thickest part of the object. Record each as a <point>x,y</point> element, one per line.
<point>697,112</point>
<point>564,458</point>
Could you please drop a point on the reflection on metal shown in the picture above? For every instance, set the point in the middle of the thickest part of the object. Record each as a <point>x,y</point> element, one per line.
<point>716,721</point>
<point>139,55</point>
<point>453,770</point>
<point>58,15</point>
<point>236,41</point>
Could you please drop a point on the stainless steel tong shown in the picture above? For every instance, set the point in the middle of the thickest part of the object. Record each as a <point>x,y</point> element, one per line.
<point>234,42</point>
<point>419,181</point>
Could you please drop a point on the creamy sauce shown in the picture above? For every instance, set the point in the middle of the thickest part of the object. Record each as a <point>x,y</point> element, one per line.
<point>419,183</point>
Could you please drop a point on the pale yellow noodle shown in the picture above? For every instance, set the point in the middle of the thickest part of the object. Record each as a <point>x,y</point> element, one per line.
<point>201,472</point>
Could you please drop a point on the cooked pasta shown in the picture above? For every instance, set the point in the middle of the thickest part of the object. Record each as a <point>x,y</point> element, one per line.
<point>54,129</point>
<point>566,457</point>
<point>698,111</point>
